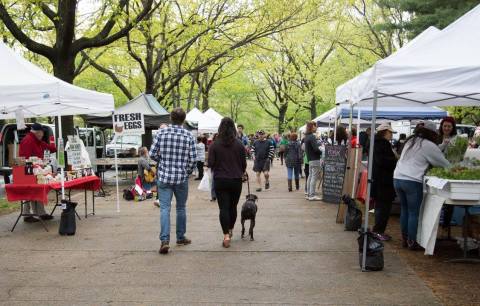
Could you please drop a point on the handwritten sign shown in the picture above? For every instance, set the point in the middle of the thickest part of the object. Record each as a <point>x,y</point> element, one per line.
<point>334,173</point>
<point>128,123</point>
<point>74,152</point>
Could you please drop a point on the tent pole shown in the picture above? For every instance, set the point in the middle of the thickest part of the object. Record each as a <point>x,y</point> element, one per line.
<point>370,169</point>
<point>355,165</point>
<point>114,141</point>
<point>350,122</point>
<point>59,150</point>
<point>335,125</point>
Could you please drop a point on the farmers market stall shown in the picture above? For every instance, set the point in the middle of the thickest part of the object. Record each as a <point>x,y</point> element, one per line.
<point>440,71</point>
<point>27,91</point>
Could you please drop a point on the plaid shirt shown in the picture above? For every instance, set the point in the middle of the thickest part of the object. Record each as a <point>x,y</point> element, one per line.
<point>174,150</point>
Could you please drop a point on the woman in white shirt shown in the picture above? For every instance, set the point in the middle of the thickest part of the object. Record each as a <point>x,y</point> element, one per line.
<point>200,146</point>
<point>420,151</point>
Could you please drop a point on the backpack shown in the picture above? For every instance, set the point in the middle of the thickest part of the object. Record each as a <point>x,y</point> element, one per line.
<point>149,175</point>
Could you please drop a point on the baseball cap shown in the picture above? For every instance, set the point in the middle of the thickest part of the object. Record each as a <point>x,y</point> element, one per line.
<point>385,127</point>
<point>36,127</point>
<point>430,125</point>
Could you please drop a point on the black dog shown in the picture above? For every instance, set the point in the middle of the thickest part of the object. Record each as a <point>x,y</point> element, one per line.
<point>249,212</point>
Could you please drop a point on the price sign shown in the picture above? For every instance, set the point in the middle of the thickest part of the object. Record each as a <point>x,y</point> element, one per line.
<point>74,152</point>
<point>128,123</point>
<point>334,173</point>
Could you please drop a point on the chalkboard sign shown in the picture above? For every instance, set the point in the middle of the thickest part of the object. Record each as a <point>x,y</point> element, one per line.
<point>334,173</point>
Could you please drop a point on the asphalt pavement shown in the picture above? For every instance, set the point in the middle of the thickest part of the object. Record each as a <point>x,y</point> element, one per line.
<point>300,256</point>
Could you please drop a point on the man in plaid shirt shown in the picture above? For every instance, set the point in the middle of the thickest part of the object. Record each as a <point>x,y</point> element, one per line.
<point>174,150</point>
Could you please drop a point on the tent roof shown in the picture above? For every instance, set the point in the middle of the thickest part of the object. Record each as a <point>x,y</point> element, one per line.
<point>211,113</point>
<point>154,114</point>
<point>194,115</point>
<point>210,122</point>
<point>25,86</point>
<point>444,71</point>
<point>353,89</point>
<point>145,102</point>
<point>383,114</point>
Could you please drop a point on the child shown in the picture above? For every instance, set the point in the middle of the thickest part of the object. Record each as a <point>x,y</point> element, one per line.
<point>145,171</point>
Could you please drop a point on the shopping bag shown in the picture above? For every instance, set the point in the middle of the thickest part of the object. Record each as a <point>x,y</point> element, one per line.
<point>362,187</point>
<point>205,183</point>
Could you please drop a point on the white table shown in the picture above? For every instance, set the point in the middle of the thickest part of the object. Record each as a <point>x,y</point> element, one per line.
<point>437,193</point>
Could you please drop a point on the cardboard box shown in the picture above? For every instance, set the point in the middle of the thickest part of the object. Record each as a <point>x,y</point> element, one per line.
<point>10,154</point>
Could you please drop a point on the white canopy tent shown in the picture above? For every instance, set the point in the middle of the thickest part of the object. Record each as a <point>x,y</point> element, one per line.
<point>444,71</point>
<point>441,71</point>
<point>26,87</point>
<point>194,115</point>
<point>210,122</point>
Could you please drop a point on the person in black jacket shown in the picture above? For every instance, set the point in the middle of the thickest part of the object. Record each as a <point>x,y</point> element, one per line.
<point>383,192</point>
<point>227,160</point>
<point>313,152</point>
<point>293,161</point>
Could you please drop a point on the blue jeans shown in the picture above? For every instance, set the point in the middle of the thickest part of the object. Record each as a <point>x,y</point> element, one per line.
<point>165,194</point>
<point>411,197</point>
<point>294,171</point>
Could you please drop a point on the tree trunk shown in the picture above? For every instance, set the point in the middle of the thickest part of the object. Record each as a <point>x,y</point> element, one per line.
<point>205,105</point>
<point>149,84</point>
<point>313,108</point>
<point>282,113</point>
<point>64,69</point>
<point>199,91</point>
<point>190,93</point>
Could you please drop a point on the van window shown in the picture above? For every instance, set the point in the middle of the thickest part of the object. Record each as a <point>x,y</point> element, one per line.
<point>87,137</point>
<point>98,139</point>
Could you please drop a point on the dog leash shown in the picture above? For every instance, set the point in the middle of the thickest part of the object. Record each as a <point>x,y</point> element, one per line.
<point>248,183</point>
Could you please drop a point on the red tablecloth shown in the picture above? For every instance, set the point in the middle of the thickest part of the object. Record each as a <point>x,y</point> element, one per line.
<point>39,192</point>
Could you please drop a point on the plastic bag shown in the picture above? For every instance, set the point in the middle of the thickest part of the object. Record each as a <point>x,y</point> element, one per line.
<point>205,183</point>
<point>374,259</point>
<point>353,217</point>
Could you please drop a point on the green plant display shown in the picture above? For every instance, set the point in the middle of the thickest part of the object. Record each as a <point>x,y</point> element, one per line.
<point>456,151</point>
<point>456,173</point>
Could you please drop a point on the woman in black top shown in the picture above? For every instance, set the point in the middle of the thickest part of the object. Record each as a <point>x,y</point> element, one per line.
<point>383,192</point>
<point>227,159</point>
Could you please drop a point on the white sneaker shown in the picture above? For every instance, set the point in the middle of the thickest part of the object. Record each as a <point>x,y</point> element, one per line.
<point>315,198</point>
<point>156,203</point>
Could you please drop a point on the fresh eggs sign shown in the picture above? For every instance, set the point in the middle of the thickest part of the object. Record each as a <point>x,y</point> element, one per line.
<point>128,124</point>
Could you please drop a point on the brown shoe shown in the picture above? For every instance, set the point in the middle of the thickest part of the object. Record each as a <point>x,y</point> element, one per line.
<point>184,241</point>
<point>226,243</point>
<point>164,247</point>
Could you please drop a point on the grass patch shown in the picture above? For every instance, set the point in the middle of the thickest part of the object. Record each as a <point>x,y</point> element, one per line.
<point>8,207</point>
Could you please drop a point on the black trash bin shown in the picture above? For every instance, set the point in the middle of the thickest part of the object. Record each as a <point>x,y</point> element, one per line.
<point>374,258</point>
<point>68,224</point>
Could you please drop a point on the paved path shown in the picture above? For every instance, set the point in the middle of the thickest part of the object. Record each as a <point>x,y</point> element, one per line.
<point>300,256</point>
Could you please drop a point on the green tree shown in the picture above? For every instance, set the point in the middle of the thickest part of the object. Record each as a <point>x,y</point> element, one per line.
<point>53,29</point>
<point>426,13</point>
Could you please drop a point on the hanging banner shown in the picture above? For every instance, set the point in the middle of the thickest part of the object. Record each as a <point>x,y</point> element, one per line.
<point>128,123</point>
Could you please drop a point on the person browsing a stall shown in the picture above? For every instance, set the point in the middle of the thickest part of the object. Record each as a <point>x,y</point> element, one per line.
<point>34,145</point>
<point>383,192</point>
<point>448,133</point>
<point>419,153</point>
